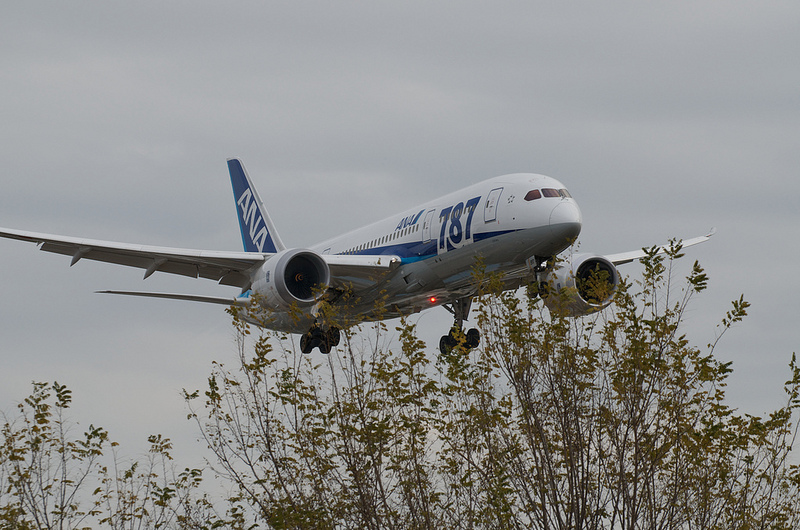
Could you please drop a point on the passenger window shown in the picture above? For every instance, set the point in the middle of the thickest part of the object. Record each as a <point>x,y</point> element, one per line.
<point>550,192</point>
<point>533,195</point>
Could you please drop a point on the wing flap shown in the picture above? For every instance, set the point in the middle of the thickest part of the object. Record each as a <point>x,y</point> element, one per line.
<point>359,272</point>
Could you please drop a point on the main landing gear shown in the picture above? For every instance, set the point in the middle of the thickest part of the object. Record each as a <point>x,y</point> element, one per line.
<point>316,337</point>
<point>460,310</point>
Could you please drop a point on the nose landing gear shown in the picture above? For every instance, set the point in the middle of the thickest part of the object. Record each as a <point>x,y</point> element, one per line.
<point>456,336</point>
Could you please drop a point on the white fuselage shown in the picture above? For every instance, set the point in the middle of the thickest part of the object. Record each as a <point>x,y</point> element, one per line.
<point>506,221</point>
<point>512,225</point>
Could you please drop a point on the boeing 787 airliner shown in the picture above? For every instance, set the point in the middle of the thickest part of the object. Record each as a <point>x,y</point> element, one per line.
<point>422,257</point>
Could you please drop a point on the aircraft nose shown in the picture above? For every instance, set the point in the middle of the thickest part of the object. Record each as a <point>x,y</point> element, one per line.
<point>565,221</point>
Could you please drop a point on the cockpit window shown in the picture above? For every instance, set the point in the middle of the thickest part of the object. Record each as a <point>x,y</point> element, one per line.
<point>564,193</point>
<point>533,195</point>
<point>550,192</point>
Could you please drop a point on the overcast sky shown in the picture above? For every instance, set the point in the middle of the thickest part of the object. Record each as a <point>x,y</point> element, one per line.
<point>663,120</point>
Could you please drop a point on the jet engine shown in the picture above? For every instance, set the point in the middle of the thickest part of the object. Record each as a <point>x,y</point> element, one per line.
<point>292,277</point>
<point>580,286</point>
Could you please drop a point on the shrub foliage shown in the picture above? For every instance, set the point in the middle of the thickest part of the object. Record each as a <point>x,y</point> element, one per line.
<point>614,420</point>
<point>608,421</point>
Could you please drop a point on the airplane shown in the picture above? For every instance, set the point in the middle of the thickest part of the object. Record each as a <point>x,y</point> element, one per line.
<point>420,258</point>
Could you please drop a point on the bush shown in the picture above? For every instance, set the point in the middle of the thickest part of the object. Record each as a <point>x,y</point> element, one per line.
<point>609,421</point>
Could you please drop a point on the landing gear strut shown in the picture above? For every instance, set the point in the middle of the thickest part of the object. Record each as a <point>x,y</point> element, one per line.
<point>316,337</point>
<point>460,310</point>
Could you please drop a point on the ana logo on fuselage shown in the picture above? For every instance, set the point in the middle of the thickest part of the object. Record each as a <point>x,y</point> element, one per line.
<point>409,221</point>
<point>251,218</point>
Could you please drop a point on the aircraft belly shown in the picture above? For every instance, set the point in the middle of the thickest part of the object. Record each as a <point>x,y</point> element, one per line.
<point>281,321</point>
<point>506,253</point>
<point>406,286</point>
<point>418,285</point>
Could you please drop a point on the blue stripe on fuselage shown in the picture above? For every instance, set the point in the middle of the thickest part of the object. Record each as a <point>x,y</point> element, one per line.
<point>417,250</point>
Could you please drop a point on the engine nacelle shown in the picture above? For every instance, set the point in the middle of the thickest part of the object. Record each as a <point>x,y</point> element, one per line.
<point>580,286</point>
<point>292,277</point>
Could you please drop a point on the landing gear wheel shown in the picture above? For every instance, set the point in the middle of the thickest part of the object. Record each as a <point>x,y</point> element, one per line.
<point>460,310</point>
<point>328,339</point>
<point>316,338</point>
<point>334,336</point>
<point>473,338</point>
<point>324,346</point>
<point>306,342</point>
<point>469,341</point>
<point>446,344</point>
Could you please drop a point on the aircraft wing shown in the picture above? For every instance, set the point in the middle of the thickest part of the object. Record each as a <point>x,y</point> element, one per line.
<point>627,257</point>
<point>356,272</point>
<point>228,268</point>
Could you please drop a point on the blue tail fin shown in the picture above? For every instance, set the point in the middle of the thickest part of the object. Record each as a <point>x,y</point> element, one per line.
<point>258,232</point>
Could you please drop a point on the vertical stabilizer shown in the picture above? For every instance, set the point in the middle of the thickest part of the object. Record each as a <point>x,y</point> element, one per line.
<point>258,232</point>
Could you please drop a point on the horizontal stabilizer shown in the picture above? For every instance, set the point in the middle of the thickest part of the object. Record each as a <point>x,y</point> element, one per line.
<point>232,300</point>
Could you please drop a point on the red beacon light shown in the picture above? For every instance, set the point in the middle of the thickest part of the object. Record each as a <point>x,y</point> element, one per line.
<point>432,299</point>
